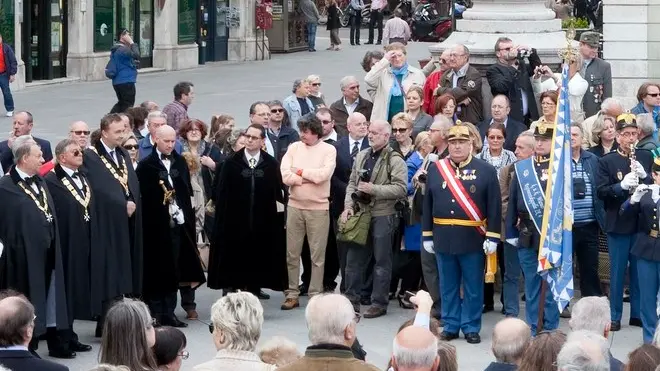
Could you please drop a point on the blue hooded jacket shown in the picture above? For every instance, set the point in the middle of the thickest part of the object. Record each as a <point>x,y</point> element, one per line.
<point>126,60</point>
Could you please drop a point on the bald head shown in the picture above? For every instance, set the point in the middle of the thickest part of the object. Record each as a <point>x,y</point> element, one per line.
<point>415,348</point>
<point>79,131</point>
<point>357,125</point>
<point>511,337</point>
<point>165,139</point>
<point>16,321</point>
<point>379,134</point>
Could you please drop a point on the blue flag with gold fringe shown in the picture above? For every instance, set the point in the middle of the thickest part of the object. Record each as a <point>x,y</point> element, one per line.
<point>556,244</point>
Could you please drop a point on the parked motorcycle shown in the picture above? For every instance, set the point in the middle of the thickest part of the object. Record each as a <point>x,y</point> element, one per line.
<point>345,17</point>
<point>428,25</point>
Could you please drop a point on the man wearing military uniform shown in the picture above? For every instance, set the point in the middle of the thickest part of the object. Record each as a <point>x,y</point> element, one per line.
<point>462,194</point>
<point>615,181</point>
<point>523,225</point>
<point>596,71</point>
<point>643,207</point>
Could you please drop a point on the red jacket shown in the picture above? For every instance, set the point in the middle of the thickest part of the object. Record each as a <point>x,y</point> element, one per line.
<point>46,167</point>
<point>432,82</point>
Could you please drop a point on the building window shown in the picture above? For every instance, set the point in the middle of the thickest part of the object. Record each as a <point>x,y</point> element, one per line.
<point>104,29</point>
<point>7,21</point>
<point>187,21</point>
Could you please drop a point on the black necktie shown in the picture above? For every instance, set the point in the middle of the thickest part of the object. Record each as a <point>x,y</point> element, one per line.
<point>112,157</point>
<point>165,157</point>
<point>355,149</point>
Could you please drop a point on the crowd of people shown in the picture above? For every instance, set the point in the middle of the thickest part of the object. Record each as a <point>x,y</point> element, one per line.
<point>409,195</point>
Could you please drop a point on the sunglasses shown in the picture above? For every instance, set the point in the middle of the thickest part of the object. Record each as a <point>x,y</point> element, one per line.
<point>131,147</point>
<point>654,95</point>
<point>77,152</point>
<point>251,137</point>
<point>81,132</point>
<point>277,110</point>
<point>495,137</point>
<point>443,61</point>
<point>399,130</point>
<point>316,84</point>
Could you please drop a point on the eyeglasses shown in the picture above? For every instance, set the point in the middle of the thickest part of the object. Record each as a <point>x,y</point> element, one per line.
<point>76,152</point>
<point>628,134</point>
<point>251,137</point>
<point>131,147</point>
<point>326,122</point>
<point>81,132</point>
<point>184,355</point>
<point>316,84</point>
<point>654,95</point>
<point>277,110</point>
<point>495,137</point>
<point>211,327</point>
<point>400,130</point>
<point>357,317</point>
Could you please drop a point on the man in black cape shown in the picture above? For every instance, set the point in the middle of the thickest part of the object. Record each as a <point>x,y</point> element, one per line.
<point>248,250</point>
<point>72,198</point>
<point>170,255</point>
<point>117,215</point>
<point>31,260</point>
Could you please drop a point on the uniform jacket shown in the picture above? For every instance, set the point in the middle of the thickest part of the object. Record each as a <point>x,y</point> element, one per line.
<point>513,129</point>
<point>293,109</point>
<point>439,203</point>
<point>612,167</point>
<point>467,86</point>
<point>379,83</point>
<point>340,115</point>
<point>646,213</point>
<point>390,181</point>
<point>599,77</point>
<point>517,211</point>
<point>328,357</point>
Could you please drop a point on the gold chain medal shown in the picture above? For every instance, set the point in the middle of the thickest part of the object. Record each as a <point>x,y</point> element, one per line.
<point>84,202</point>
<point>123,179</point>
<point>43,205</point>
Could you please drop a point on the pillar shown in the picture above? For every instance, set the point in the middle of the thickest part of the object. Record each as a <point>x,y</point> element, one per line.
<point>631,34</point>
<point>81,60</point>
<point>19,82</point>
<point>168,54</point>
<point>242,43</point>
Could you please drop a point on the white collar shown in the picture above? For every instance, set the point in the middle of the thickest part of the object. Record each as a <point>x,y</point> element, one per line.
<point>107,149</point>
<point>68,171</point>
<point>248,156</point>
<point>332,136</point>
<point>351,140</point>
<point>462,70</point>
<point>21,173</point>
<point>504,123</point>
<point>354,103</point>
<point>159,153</point>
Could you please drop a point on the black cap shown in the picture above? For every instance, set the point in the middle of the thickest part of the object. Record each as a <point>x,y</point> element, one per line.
<point>625,120</point>
<point>544,130</point>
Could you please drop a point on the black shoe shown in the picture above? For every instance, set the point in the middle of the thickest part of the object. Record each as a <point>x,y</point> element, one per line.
<point>635,322</point>
<point>374,312</point>
<point>352,43</point>
<point>487,308</point>
<point>448,336</point>
<point>615,326</point>
<point>473,338</point>
<point>357,43</point>
<point>503,311</point>
<point>172,321</point>
<point>369,43</point>
<point>392,296</point>
<point>626,298</point>
<point>62,353</point>
<point>77,346</point>
<point>303,289</point>
<point>365,301</point>
<point>522,298</point>
<point>261,295</point>
<point>378,43</point>
<point>99,330</point>
<point>405,304</point>
<point>356,307</point>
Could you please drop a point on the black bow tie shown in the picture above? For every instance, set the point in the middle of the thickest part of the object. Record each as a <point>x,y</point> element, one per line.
<point>75,175</point>
<point>165,157</point>
<point>31,180</point>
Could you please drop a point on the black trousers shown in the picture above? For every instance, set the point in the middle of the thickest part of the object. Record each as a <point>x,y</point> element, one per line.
<point>376,20</point>
<point>125,97</point>
<point>585,246</point>
<point>489,288</point>
<point>331,269</point>
<point>187,298</point>
<point>356,23</point>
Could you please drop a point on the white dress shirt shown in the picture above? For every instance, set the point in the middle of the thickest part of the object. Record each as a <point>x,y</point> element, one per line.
<point>332,135</point>
<point>248,156</point>
<point>23,176</point>
<point>350,108</point>
<point>174,209</point>
<point>76,180</point>
<point>352,142</point>
<point>112,152</point>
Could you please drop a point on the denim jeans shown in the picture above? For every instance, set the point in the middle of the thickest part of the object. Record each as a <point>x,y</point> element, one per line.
<point>379,245</point>
<point>6,92</point>
<point>529,263</point>
<point>311,35</point>
<point>511,279</point>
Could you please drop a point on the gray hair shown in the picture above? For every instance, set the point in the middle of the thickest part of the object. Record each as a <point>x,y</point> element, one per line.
<point>240,317</point>
<point>415,358</point>
<point>579,126</point>
<point>107,367</point>
<point>296,85</point>
<point>327,317</point>
<point>278,351</point>
<point>591,313</point>
<point>156,114</point>
<point>609,103</point>
<point>61,147</point>
<point>311,78</point>
<point>346,80</point>
<point>511,337</point>
<point>584,351</point>
<point>528,135</point>
<point>645,123</point>
<point>22,146</point>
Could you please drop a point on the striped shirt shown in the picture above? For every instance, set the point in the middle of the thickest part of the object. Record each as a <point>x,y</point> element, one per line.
<point>583,209</point>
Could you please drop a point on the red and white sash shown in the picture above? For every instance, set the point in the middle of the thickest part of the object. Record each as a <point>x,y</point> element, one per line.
<point>460,194</point>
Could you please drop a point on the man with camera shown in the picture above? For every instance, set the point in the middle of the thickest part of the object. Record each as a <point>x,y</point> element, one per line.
<point>510,76</point>
<point>377,184</point>
<point>462,195</point>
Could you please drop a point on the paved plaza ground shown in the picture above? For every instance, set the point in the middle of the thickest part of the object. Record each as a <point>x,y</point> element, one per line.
<point>230,88</point>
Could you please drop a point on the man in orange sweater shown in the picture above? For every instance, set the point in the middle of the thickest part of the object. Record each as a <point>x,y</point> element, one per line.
<point>307,168</point>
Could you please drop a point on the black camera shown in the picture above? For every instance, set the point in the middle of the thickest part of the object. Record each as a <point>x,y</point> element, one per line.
<point>360,196</point>
<point>523,53</point>
<point>421,178</point>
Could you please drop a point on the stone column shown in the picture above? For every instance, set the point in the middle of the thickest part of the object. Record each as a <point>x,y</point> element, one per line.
<point>167,53</point>
<point>631,34</point>
<point>19,82</point>
<point>242,43</point>
<point>81,60</point>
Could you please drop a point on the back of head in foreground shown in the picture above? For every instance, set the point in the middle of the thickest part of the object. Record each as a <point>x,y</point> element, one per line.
<point>584,351</point>
<point>415,348</point>
<point>541,355</point>
<point>511,338</point>
<point>591,313</point>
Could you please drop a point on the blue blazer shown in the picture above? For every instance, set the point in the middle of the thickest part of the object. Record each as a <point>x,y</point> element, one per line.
<point>11,66</point>
<point>414,162</point>
<point>145,147</point>
<point>24,360</point>
<point>343,168</point>
<point>7,158</point>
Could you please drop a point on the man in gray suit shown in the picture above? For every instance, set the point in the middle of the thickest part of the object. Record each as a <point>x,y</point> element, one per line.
<point>596,71</point>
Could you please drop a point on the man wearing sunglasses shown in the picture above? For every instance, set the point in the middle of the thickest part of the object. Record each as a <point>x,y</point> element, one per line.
<point>72,197</point>
<point>648,98</point>
<point>464,83</point>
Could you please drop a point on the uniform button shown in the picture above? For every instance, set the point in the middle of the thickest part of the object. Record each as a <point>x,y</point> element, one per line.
<point>452,200</point>
<point>654,217</point>
<point>451,212</point>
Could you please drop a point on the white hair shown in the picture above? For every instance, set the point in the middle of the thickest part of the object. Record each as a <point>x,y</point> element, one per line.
<point>156,114</point>
<point>584,351</point>
<point>240,317</point>
<point>278,351</point>
<point>327,317</point>
<point>415,358</point>
<point>591,313</point>
<point>343,83</point>
<point>645,123</point>
<point>22,146</point>
<point>610,103</point>
<point>311,78</point>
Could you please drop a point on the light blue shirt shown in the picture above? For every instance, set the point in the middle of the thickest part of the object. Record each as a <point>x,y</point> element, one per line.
<point>15,347</point>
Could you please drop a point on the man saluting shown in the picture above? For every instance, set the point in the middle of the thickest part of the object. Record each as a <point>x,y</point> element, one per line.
<point>169,228</point>
<point>462,194</point>
<point>117,214</point>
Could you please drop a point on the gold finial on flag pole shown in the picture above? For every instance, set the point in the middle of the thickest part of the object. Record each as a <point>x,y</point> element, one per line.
<point>569,52</point>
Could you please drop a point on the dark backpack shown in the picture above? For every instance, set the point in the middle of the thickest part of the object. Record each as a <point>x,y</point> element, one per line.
<point>111,67</point>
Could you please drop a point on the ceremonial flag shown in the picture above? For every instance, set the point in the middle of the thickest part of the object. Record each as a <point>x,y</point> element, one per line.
<point>556,244</point>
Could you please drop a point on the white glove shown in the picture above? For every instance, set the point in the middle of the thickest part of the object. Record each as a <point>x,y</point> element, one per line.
<point>655,192</point>
<point>639,192</point>
<point>639,170</point>
<point>176,213</point>
<point>512,241</point>
<point>2,248</point>
<point>490,247</point>
<point>428,246</point>
<point>629,180</point>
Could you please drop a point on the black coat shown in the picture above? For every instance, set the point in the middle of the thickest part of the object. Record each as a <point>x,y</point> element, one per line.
<point>513,130</point>
<point>646,213</point>
<point>599,151</point>
<point>7,158</point>
<point>333,18</point>
<point>248,248</point>
<point>31,243</point>
<point>75,241</point>
<point>168,261</point>
<point>24,360</point>
<point>342,173</point>
<point>283,140</point>
<point>118,250</point>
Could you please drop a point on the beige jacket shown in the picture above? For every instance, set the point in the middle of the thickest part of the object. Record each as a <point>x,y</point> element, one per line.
<point>235,360</point>
<point>379,83</point>
<point>328,360</point>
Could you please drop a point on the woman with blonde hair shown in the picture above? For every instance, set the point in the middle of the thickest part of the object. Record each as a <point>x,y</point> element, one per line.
<point>402,126</point>
<point>314,90</point>
<point>603,134</point>
<point>421,120</point>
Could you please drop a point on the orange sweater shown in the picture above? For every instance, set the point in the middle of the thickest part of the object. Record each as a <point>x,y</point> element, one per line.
<point>311,190</point>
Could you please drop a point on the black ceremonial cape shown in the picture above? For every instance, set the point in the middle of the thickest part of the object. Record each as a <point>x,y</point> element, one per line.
<point>118,249</point>
<point>28,238</point>
<point>166,265</point>
<point>75,242</point>
<point>248,248</point>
